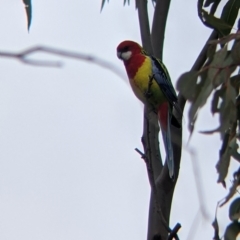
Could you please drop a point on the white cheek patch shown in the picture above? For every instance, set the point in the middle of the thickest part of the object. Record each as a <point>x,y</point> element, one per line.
<point>126,55</point>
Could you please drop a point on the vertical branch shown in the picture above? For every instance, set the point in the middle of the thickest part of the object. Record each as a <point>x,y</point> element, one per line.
<point>144,25</point>
<point>150,127</point>
<point>164,185</point>
<point>158,26</point>
<point>150,141</point>
<point>162,196</point>
<point>150,132</point>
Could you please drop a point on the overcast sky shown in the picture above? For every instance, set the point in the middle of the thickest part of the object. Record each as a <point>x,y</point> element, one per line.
<point>68,169</point>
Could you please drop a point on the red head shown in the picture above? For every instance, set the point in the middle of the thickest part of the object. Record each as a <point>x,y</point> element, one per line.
<point>127,49</point>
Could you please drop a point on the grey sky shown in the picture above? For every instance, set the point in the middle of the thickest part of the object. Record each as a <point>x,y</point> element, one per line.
<point>68,169</point>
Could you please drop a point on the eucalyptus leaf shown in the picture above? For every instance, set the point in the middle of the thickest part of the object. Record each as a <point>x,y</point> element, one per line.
<point>126,1</point>
<point>233,188</point>
<point>215,23</point>
<point>28,8</point>
<point>235,52</point>
<point>211,50</point>
<point>210,131</point>
<point>232,231</point>
<point>215,100</point>
<point>235,81</point>
<point>234,210</point>
<point>215,66</point>
<point>229,14</point>
<point>235,154</point>
<point>223,165</point>
<point>103,4</point>
<point>227,111</point>
<point>200,6</point>
<point>209,2</point>
<point>216,229</point>
<point>205,89</point>
<point>187,85</point>
<point>221,67</point>
<point>225,155</point>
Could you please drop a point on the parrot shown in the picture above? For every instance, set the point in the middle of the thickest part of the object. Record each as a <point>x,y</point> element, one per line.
<point>151,83</point>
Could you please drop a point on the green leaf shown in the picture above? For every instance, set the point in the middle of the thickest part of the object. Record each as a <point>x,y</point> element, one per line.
<point>154,2</point>
<point>209,2</point>
<point>219,71</point>
<point>205,89</point>
<point>234,210</point>
<point>229,14</point>
<point>235,154</point>
<point>232,231</point>
<point>211,50</point>
<point>228,109</point>
<point>221,67</point>
<point>223,164</point>
<point>238,109</point>
<point>225,155</point>
<point>215,67</point>
<point>233,188</point>
<point>215,100</point>
<point>187,85</point>
<point>235,52</point>
<point>214,104</point>
<point>220,55</point>
<point>103,3</point>
<point>28,8</point>
<point>235,81</point>
<point>126,1</point>
<point>216,229</point>
<point>214,7</point>
<point>208,132</point>
<point>200,5</point>
<point>216,23</point>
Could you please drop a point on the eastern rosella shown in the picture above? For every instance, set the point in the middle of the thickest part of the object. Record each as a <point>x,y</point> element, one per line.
<point>151,84</point>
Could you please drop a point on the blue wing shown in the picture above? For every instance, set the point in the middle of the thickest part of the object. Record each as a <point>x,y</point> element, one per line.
<point>163,79</point>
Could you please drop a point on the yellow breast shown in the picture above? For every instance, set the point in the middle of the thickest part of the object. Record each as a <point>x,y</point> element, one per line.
<point>140,84</point>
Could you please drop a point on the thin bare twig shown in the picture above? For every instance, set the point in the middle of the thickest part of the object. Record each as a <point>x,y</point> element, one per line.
<point>23,56</point>
<point>198,182</point>
<point>143,156</point>
<point>194,226</point>
<point>173,234</point>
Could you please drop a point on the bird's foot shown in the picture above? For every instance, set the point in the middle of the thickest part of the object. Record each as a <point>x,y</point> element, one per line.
<point>148,94</point>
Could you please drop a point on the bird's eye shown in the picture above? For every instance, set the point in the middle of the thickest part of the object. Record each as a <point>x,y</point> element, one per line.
<point>125,49</point>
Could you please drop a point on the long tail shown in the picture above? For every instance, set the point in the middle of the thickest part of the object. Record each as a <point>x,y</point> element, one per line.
<point>164,117</point>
